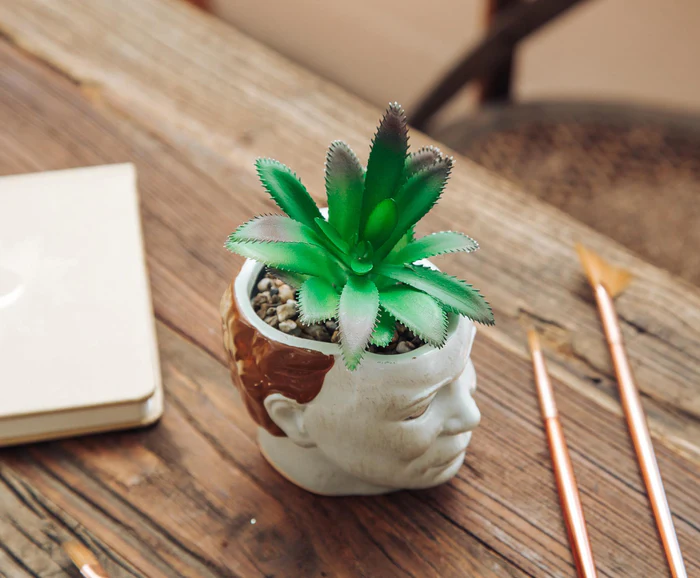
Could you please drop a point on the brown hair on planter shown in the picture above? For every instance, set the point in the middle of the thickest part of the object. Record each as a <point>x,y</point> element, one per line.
<point>260,366</point>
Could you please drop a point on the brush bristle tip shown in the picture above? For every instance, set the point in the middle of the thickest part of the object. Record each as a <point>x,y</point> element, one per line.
<point>600,272</point>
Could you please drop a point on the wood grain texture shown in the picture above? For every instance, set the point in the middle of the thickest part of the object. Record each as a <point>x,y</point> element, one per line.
<point>33,528</point>
<point>191,102</point>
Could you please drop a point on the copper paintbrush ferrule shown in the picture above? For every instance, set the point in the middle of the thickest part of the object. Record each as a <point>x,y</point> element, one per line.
<point>544,387</point>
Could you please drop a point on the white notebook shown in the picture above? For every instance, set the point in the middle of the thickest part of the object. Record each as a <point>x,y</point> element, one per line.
<point>78,350</point>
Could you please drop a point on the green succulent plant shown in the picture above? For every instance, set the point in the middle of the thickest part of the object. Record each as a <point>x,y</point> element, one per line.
<point>359,266</point>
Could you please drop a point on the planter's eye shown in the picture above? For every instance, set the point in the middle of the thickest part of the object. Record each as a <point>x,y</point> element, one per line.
<point>420,410</point>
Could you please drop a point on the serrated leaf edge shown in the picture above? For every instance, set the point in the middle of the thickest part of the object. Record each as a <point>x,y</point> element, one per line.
<point>396,261</point>
<point>393,108</point>
<point>230,239</point>
<point>307,319</point>
<point>262,216</point>
<point>426,339</point>
<point>279,273</point>
<point>280,267</point>
<point>341,336</point>
<point>270,161</point>
<point>450,164</point>
<point>412,156</point>
<point>376,324</point>
<point>334,146</point>
<point>446,307</point>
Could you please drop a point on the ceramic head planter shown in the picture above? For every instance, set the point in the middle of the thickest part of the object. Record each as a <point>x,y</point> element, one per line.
<point>389,406</point>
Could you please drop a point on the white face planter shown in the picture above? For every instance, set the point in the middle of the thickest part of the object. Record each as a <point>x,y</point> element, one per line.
<point>397,422</point>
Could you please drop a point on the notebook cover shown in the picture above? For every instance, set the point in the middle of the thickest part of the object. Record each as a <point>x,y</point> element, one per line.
<point>76,322</point>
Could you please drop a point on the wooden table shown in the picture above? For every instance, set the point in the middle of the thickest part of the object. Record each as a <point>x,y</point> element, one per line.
<point>192,102</point>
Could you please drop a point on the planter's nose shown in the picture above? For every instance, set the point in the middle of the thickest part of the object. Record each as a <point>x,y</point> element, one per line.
<point>464,415</point>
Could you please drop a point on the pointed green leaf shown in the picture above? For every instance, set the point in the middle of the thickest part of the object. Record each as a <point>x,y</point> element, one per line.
<point>433,245</point>
<point>297,257</point>
<point>385,329</point>
<point>455,294</point>
<point>287,191</point>
<point>418,311</point>
<point>416,197</point>
<point>294,280</point>
<point>381,222</point>
<point>403,241</point>
<point>345,182</point>
<point>331,234</point>
<point>421,159</point>
<point>318,301</point>
<point>274,228</point>
<point>357,315</point>
<point>386,160</point>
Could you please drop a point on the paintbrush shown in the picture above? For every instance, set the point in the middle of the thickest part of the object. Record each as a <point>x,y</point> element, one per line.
<point>607,282</point>
<point>561,464</point>
<point>85,560</point>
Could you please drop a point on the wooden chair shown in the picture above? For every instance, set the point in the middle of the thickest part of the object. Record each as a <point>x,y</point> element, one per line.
<point>631,172</point>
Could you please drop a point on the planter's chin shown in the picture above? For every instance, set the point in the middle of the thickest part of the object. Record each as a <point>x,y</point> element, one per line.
<point>337,432</point>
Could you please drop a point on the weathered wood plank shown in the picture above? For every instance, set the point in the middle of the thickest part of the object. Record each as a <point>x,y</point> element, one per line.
<point>119,528</point>
<point>32,530</point>
<point>222,99</point>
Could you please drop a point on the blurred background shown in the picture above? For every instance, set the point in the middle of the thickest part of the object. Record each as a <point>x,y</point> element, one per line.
<point>591,105</point>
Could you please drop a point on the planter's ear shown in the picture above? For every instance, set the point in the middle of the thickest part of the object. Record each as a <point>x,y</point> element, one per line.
<point>288,415</point>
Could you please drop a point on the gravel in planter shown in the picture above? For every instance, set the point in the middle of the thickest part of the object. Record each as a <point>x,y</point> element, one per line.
<point>274,302</point>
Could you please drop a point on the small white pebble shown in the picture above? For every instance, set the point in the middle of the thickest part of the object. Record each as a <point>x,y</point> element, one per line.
<point>405,347</point>
<point>264,284</point>
<point>286,311</point>
<point>290,327</point>
<point>286,293</point>
<point>252,521</point>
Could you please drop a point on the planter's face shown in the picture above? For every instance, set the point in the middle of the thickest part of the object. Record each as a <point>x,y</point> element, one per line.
<point>399,421</point>
<point>404,424</point>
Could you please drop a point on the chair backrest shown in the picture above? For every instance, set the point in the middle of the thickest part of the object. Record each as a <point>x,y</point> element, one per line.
<point>491,61</point>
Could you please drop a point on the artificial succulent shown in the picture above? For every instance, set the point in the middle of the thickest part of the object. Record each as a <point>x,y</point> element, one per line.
<point>359,265</point>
